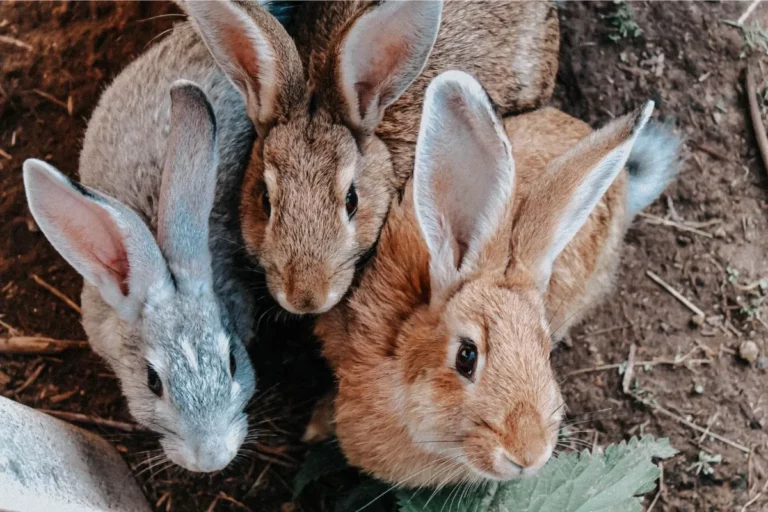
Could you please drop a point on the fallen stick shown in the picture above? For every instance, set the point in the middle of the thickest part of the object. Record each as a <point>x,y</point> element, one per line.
<point>69,302</point>
<point>653,219</point>
<point>53,99</point>
<point>746,13</point>
<point>630,371</point>
<point>685,302</point>
<point>37,345</point>
<point>75,417</point>
<point>32,378</point>
<point>605,331</point>
<point>637,363</point>
<point>757,120</point>
<point>5,155</point>
<point>15,42</point>
<point>661,488</point>
<point>690,424</point>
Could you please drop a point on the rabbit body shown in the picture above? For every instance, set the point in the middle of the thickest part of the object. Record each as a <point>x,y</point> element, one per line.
<point>511,47</point>
<point>337,114</point>
<point>124,149</point>
<point>154,229</point>
<point>407,410</point>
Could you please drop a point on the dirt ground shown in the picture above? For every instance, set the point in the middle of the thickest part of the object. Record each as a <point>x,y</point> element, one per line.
<point>705,238</point>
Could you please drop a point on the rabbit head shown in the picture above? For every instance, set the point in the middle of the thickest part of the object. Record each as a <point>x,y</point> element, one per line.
<point>319,181</point>
<point>463,388</point>
<point>149,305</point>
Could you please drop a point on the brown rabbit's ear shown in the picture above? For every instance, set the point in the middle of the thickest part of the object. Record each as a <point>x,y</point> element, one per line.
<point>383,52</point>
<point>256,53</point>
<point>559,204</point>
<point>463,176</point>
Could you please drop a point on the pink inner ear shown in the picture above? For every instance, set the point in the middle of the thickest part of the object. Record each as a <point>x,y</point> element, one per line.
<point>95,236</point>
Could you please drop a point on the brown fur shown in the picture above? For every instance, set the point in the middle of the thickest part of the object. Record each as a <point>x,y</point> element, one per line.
<point>308,252</point>
<point>388,342</point>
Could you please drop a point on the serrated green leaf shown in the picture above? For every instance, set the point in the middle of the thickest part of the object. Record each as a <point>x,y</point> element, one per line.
<point>321,461</point>
<point>577,482</point>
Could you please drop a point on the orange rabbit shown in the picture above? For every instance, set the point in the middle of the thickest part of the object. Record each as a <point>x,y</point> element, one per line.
<point>508,232</point>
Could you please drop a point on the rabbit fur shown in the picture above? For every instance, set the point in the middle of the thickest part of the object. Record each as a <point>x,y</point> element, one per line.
<point>185,310</point>
<point>508,233</point>
<point>337,114</point>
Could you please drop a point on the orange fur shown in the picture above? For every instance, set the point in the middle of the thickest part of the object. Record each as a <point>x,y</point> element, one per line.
<point>402,413</point>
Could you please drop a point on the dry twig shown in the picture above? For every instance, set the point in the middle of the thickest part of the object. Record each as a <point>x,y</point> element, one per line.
<point>53,99</point>
<point>630,371</point>
<point>746,13</point>
<point>685,302</point>
<point>661,488</point>
<point>75,417</point>
<point>5,155</point>
<point>38,345</point>
<point>757,120</point>
<point>15,42</point>
<point>69,302</point>
<point>669,362</point>
<point>656,407</point>
<point>751,502</point>
<point>653,219</point>
<point>31,380</point>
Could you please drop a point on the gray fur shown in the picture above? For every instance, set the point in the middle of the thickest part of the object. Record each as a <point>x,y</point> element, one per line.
<point>653,162</point>
<point>201,414</point>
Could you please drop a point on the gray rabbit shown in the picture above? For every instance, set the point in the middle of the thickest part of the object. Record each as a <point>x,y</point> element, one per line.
<point>154,231</point>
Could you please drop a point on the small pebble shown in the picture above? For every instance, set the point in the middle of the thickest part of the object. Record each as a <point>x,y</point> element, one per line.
<point>762,362</point>
<point>698,389</point>
<point>748,351</point>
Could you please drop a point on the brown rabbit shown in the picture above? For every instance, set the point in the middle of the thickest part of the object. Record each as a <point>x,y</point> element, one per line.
<point>442,352</point>
<point>337,116</point>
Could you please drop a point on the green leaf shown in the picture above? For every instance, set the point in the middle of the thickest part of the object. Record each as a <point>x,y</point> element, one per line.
<point>612,481</point>
<point>322,460</point>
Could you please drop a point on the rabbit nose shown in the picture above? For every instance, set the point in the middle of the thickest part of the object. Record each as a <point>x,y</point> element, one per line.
<point>213,456</point>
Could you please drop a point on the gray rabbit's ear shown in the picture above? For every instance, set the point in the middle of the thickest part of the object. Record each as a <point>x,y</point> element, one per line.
<point>383,52</point>
<point>104,240</point>
<point>188,187</point>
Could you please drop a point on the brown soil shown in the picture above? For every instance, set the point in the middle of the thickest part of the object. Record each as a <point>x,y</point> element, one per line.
<point>686,59</point>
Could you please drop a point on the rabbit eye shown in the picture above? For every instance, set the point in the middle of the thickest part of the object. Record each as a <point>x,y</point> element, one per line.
<point>153,382</point>
<point>466,358</point>
<point>351,201</point>
<point>265,204</point>
<point>232,363</point>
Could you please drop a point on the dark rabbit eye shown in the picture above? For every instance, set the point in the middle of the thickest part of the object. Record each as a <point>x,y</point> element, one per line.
<point>265,204</point>
<point>466,358</point>
<point>351,201</point>
<point>153,382</point>
<point>232,363</point>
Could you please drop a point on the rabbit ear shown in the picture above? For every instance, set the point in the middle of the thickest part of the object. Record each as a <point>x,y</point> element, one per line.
<point>101,238</point>
<point>463,175</point>
<point>573,183</point>
<point>255,52</point>
<point>188,187</point>
<point>382,54</point>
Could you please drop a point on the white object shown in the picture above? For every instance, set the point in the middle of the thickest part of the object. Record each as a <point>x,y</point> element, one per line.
<point>47,464</point>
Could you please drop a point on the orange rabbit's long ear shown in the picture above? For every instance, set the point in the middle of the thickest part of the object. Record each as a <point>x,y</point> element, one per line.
<point>463,175</point>
<point>255,52</point>
<point>559,204</point>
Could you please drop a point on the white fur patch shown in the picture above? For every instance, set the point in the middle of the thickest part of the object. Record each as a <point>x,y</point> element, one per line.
<point>189,353</point>
<point>222,343</point>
